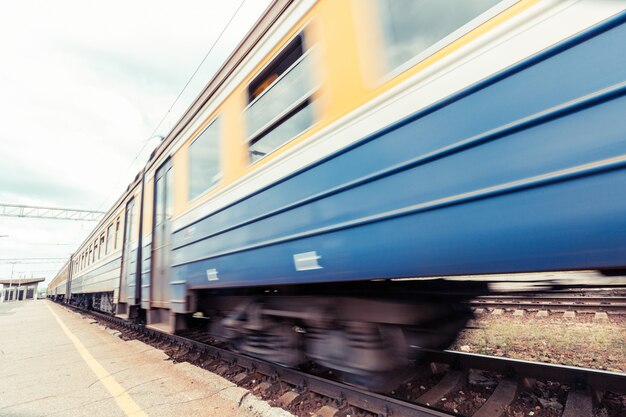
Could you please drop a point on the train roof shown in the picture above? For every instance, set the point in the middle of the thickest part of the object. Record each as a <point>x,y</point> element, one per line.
<point>249,41</point>
<point>21,281</point>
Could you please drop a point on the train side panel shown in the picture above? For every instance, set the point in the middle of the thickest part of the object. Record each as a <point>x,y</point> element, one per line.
<point>146,258</point>
<point>58,286</point>
<point>530,153</point>
<point>104,269</point>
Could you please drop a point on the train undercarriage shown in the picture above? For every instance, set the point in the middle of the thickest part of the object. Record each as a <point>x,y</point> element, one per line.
<point>369,335</point>
<point>100,301</point>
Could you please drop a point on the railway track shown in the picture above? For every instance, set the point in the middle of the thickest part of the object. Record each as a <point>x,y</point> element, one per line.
<point>492,386</point>
<point>614,303</point>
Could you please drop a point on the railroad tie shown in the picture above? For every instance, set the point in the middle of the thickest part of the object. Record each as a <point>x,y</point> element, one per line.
<point>222,370</point>
<point>327,411</point>
<point>438,368</point>
<point>240,377</point>
<point>569,314</point>
<point>578,404</point>
<point>292,397</point>
<point>502,396</point>
<point>601,317</point>
<point>265,388</point>
<point>451,382</point>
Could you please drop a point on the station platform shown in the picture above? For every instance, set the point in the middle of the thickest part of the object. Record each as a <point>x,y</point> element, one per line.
<point>55,362</point>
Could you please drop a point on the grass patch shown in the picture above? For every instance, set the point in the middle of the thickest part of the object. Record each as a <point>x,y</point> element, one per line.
<point>590,345</point>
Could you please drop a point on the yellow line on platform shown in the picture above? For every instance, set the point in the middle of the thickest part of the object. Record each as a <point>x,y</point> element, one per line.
<point>123,399</point>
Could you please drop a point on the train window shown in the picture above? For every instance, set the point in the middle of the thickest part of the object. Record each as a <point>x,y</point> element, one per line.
<point>89,255</point>
<point>204,164</point>
<point>129,222</point>
<point>109,245</point>
<point>101,249</point>
<point>417,28</point>
<point>159,186</point>
<point>280,100</point>
<point>95,250</point>
<point>117,234</point>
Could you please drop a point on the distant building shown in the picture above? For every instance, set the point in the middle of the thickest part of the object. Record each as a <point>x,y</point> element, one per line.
<point>19,289</point>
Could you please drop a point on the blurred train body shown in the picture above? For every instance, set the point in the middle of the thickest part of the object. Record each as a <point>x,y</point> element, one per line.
<point>346,144</point>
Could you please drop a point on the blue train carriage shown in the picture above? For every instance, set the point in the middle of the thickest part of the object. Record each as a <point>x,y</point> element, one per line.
<point>104,268</point>
<point>346,145</point>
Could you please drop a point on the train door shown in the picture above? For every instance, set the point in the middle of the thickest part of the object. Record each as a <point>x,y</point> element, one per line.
<point>126,276</point>
<point>161,239</point>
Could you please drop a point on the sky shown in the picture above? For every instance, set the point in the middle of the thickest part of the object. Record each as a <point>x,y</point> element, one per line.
<point>84,86</point>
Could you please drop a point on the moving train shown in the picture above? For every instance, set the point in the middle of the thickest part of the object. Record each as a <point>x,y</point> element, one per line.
<point>349,149</point>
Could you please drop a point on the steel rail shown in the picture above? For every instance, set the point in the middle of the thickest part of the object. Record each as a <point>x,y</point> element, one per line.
<point>342,394</point>
<point>572,375</point>
<point>556,298</point>
<point>607,303</point>
<point>384,406</point>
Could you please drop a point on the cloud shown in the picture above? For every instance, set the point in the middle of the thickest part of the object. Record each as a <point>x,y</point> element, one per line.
<point>84,85</point>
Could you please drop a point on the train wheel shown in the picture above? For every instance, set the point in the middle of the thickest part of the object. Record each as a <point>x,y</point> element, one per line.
<point>262,336</point>
<point>393,366</point>
<point>368,355</point>
<point>379,357</point>
<point>280,344</point>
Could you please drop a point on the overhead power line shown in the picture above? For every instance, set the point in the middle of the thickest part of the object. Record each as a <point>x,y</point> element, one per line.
<point>33,260</point>
<point>12,210</point>
<point>154,133</point>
